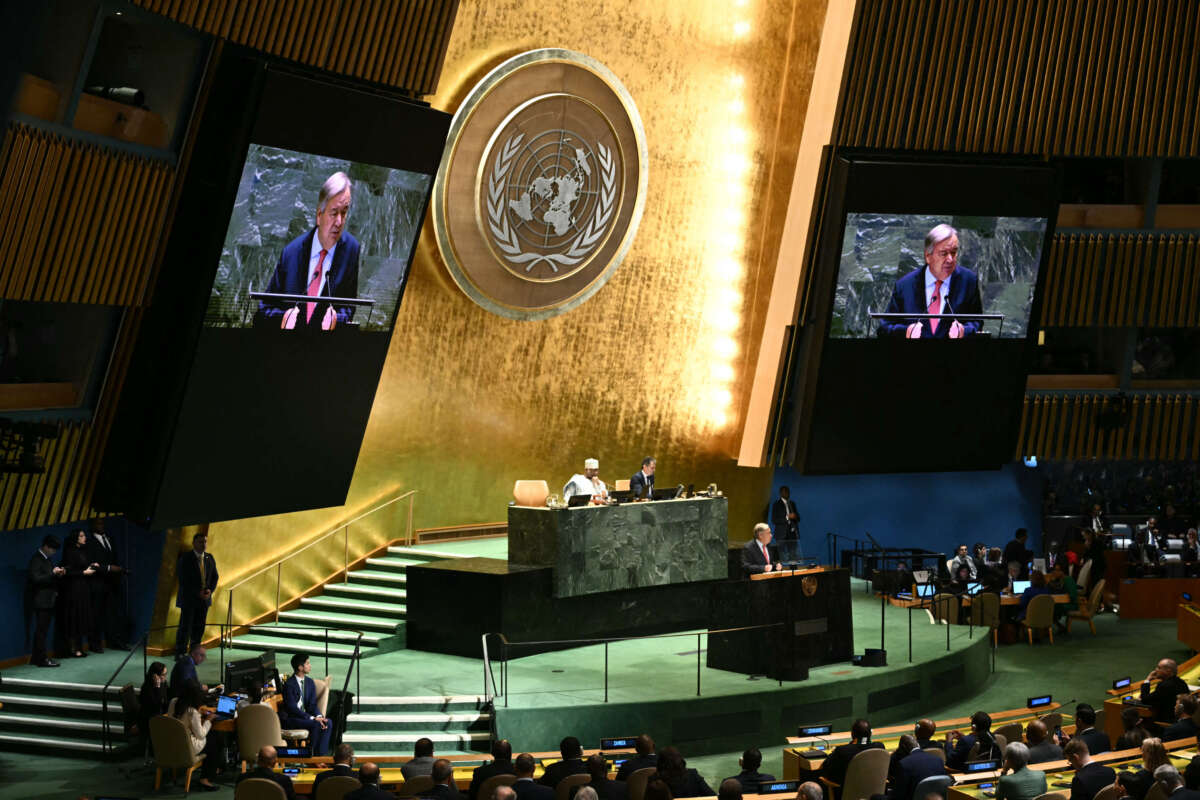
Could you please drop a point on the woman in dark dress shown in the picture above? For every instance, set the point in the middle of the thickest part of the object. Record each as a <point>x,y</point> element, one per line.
<point>76,599</point>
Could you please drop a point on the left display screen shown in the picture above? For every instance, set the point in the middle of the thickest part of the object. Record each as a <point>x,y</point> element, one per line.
<point>310,226</point>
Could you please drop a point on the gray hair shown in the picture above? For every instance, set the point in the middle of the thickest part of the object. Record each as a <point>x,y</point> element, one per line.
<point>1168,776</point>
<point>810,791</point>
<point>586,793</point>
<point>504,793</point>
<point>939,233</point>
<point>760,527</point>
<point>1016,754</point>
<point>334,185</point>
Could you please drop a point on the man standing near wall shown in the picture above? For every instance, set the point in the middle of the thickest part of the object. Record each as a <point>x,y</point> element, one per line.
<point>785,522</point>
<point>41,592</point>
<point>197,573</point>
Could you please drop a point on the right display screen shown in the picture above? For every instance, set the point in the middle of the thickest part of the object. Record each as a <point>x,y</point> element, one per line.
<point>936,276</point>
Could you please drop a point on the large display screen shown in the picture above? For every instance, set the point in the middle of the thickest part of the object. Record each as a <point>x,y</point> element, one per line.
<point>982,269</point>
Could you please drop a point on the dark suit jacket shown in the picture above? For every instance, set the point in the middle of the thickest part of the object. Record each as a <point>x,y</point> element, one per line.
<point>40,584</point>
<point>291,699</point>
<point>271,775</point>
<point>1015,551</point>
<point>105,557</point>
<point>182,673</point>
<point>1181,730</point>
<point>783,527</point>
<point>637,484</point>
<point>691,785</point>
<point>606,789</point>
<point>909,298</point>
<point>1183,793</point>
<point>291,277</point>
<point>1136,783</point>
<point>1090,780</point>
<point>1163,697</point>
<point>914,768</point>
<point>957,758</point>
<point>1097,741</point>
<point>752,557</point>
<point>338,769</point>
<point>561,769</point>
<point>442,792</point>
<point>751,780</point>
<point>187,568</point>
<point>532,790</point>
<point>369,792</point>
<point>634,763</point>
<point>838,762</point>
<point>489,770</point>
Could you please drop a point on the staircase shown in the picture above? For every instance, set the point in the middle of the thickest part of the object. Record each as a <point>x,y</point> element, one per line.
<point>372,600</point>
<point>392,725</point>
<point>56,716</point>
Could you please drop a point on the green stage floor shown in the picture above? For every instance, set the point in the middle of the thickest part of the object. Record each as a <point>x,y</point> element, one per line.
<point>545,690</point>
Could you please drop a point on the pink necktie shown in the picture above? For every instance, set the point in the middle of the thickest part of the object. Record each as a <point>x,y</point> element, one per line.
<point>314,286</point>
<point>766,555</point>
<point>935,305</point>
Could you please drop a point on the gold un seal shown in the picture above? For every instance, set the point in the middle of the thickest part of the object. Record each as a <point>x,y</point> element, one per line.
<point>542,184</point>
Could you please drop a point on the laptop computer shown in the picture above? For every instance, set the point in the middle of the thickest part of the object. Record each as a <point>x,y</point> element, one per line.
<point>1019,587</point>
<point>577,500</point>
<point>226,707</point>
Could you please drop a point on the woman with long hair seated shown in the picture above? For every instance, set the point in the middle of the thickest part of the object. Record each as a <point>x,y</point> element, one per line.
<point>152,700</point>
<point>186,709</point>
<point>1136,784</point>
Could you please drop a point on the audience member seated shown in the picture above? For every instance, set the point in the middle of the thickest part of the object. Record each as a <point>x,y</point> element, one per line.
<point>960,749</point>
<point>584,792</point>
<point>657,790</point>
<point>645,758</point>
<point>605,789</point>
<point>730,789</point>
<point>443,782</point>
<point>750,777</point>
<point>152,700</point>
<point>300,709</point>
<point>1020,782</point>
<point>422,761</point>
<point>914,767</point>
<point>525,787</point>
<point>924,731</point>
<point>571,764</point>
<point>186,709</point>
<point>254,696</point>
<point>1184,727</point>
<point>679,778</point>
<point>1090,777</point>
<point>368,776</point>
<point>905,746</point>
<point>963,559</point>
<point>265,768</point>
<point>503,792</point>
<point>1042,746</point>
<point>1037,585</point>
<point>834,768</point>
<point>1134,733</point>
<point>1162,697</point>
<point>1138,782</point>
<point>343,765</point>
<point>1085,729</point>
<point>1169,779</point>
<point>1059,582</point>
<point>810,790</point>
<point>184,671</point>
<point>501,764</point>
<point>1143,555</point>
<point>994,575</point>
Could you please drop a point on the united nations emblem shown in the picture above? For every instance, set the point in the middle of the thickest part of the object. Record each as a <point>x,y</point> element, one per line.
<point>542,185</point>
<point>809,584</point>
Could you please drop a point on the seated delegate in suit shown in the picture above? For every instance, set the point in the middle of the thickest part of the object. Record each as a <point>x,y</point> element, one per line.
<point>322,262</point>
<point>1021,782</point>
<point>525,787</point>
<point>682,780</point>
<point>941,287</point>
<point>960,749</point>
<point>1162,698</point>
<point>184,671</point>
<point>368,776</point>
<point>914,767</point>
<point>1090,777</point>
<point>642,481</point>
<point>300,706</point>
<point>571,764</point>
<point>1184,727</point>
<point>1042,746</point>
<point>645,757</point>
<point>343,765</point>
<point>265,768</point>
<point>602,788</point>
<point>756,554</point>
<point>1171,783</point>
<point>501,764</point>
<point>443,782</point>
<point>834,768</point>
<point>750,777</point>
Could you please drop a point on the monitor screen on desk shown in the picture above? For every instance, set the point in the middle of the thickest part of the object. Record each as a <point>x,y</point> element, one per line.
<point>925,590</point>
<point>1019,587</point>
<point>974,587</point>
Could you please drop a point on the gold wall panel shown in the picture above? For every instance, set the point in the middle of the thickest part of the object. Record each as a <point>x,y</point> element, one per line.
<point>658,362</point>
<point>1162,426</point>
<point>1055,77</point>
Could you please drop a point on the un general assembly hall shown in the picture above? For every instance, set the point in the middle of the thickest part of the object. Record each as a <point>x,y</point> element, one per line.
<point>465,400</point>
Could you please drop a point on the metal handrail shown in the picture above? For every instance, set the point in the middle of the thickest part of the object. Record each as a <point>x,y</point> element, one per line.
<point>343,528</point>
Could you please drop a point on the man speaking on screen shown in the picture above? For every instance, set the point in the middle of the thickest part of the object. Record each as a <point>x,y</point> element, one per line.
<point>942,287</point>
<point>323,262</point>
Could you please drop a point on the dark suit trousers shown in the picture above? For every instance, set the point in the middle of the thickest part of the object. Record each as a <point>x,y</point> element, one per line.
<point>192,619</point>
<point>318,738</point>
<point>42,617</point>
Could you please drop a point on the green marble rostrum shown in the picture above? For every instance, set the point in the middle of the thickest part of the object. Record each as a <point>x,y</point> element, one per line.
<point>609,548</point>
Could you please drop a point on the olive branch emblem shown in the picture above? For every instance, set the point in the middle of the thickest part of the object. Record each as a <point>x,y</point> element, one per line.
<point>505,236</point>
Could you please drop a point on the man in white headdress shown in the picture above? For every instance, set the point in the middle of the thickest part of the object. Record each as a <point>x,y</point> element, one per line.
<point>586,483</point>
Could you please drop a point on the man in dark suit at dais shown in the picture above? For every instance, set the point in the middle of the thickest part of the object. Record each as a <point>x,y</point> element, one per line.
<point>322,262</point>
<point>941,287</point>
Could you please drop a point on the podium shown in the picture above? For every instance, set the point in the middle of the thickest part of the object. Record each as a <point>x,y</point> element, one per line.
<point>810,612</point>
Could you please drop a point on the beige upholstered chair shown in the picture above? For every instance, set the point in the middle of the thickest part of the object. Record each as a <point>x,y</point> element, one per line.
<point>172,750</point>
<point>621,485</point>
<point>1090,609</point>
<point>1039,615</point>
<point>1114,792</point>
<point>562,790</point>
<point>298,735</point>
<point>257,726</point>
<point>414,786</point>
<point>489,786</point>
<point>985,612</point>
<point>1011,732</point>
<point>940,752</point>
<point>259,789</point>
<point>639,778</point>
<point>944,609</point>
<point>1085,576</point>
<point>1051,796</point>
<point>1156,792</point>
<point>866,775</point>
<point>339,786</point>
<point>1054,720</point>
<point>934,784</point>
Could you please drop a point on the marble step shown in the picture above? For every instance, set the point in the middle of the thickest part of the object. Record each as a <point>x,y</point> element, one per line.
<point>365,592</point>
<point>465,722</point>
<point>314,616</point>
